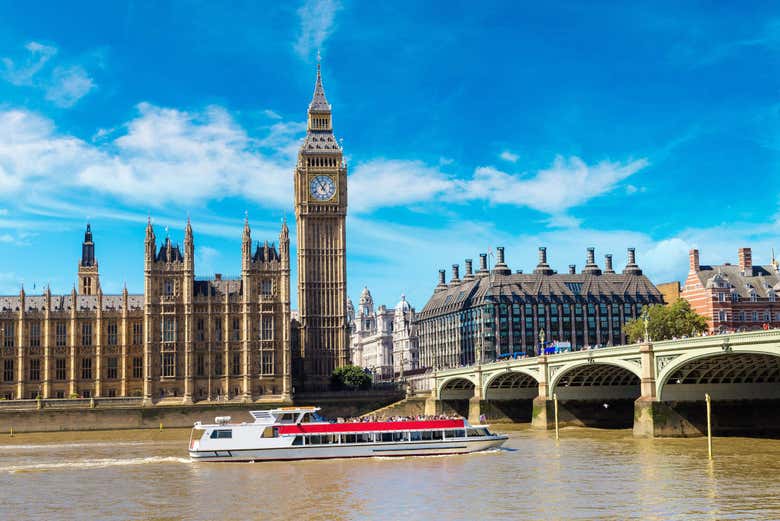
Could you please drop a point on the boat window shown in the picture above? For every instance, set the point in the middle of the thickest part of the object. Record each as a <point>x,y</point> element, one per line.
<point>474,432</point>
<point>427,435</point>
<point>298,440</point>
<point>221,434</point>
<point>365,437</point>
<point>460,434</point>
<point>349,438</point>
<point>270,432</point>
<point>416,435</point>
<point>437,435</point>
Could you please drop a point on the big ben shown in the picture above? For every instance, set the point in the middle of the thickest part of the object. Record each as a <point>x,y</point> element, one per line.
<point>320,212</point>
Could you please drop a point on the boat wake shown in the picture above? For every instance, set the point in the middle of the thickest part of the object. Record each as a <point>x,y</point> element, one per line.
<point>93,464</point>
<point>431,456</point>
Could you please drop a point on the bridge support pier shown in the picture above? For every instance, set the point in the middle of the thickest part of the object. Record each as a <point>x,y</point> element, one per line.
<point>543,415</point>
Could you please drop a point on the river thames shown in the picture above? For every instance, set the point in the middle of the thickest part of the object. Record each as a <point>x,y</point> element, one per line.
<point>588,474</point>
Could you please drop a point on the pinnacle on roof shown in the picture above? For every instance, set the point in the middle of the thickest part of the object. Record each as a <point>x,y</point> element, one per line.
<point>319,102</point>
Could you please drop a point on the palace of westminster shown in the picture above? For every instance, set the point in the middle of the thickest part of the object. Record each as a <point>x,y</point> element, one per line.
<point>189,339</point>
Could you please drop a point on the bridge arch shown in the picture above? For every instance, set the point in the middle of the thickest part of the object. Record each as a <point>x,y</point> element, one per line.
<point>511,385</point>
<point>457,388</point>
<point>725,375</point>
<point>597,380</point>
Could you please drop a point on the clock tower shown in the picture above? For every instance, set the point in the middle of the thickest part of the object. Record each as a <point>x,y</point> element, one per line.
<point>320,214</point>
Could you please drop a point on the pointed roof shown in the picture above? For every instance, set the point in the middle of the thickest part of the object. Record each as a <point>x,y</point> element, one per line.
<point>319,103</point>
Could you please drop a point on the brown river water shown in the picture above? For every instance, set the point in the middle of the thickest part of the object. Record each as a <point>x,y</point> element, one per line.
<point>588,474</point>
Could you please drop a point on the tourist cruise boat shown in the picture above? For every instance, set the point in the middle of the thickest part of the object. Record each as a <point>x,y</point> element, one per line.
<point>293,433</point>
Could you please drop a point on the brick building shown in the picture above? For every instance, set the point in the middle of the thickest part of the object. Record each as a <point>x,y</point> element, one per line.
<point>734,297</point>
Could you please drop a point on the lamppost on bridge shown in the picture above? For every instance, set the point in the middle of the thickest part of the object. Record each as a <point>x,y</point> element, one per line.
<point>646,322</point>
<point>541,341</point>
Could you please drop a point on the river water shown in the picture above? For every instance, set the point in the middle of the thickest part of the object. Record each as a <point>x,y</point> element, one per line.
<point>588,474</point>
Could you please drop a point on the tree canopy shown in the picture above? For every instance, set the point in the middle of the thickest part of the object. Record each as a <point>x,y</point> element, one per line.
<point>350,378</point>
<point>666,322</point>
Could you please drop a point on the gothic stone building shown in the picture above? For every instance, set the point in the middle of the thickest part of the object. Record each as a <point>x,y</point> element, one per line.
<point>734,297</point>
<point>185,339</point>
<point>320,188</point>
<point>496,313</point>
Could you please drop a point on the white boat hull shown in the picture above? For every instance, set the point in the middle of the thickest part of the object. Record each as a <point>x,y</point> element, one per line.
<point>359,450</point>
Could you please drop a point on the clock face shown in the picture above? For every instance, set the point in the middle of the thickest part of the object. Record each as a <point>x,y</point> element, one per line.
<point>322,188</point>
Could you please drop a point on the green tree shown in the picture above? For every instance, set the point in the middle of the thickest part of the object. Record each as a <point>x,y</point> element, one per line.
<point>666,322</point>
<point>351,378</point>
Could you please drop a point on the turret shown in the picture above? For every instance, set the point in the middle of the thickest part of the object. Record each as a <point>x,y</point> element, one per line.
<point>149,244</point>
<point>189,248</point>
<point>246,246</point>
<point>88,277</point>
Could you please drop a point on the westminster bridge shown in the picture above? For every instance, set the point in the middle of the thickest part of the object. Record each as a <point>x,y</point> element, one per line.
<point>656,387</point>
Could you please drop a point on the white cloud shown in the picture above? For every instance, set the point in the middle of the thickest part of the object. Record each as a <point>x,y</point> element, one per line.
<point>317,18</point>
<point>64,85</point>
<point>163,156</point>
<point>566,184</point>
<point>391,182</point>
<point>271,114</point>
<point>205,257</point>
<point>38,55</point>
<point>68,85</point>
<point>3,211</point>
<point>506,155</point>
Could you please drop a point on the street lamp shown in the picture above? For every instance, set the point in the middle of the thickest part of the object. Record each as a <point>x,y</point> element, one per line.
<point>541,341</point>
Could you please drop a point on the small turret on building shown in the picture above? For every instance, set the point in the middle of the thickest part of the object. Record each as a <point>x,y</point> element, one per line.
<point>88,277</point>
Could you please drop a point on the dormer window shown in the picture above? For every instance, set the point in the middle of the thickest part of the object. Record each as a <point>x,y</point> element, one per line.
<point>753,296</point>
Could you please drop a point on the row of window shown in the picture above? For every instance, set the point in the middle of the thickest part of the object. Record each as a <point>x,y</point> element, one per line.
<point>168,366</point>
<point>34,369</point>
<point>168,332</point>
<point>749,316</point>
<point>722,297</point>
<point>7,331</point>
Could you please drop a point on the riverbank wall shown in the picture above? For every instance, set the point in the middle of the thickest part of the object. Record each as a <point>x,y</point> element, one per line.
<point>83,417</point>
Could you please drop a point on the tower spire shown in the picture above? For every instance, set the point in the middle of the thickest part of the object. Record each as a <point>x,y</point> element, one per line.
<point>319,103</point>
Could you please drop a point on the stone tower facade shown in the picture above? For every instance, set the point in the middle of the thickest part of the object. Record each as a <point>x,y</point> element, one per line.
<point>320,211</point>
<point>88,277</point>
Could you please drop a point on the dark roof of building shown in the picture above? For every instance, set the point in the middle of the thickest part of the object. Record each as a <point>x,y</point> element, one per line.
<point>162,255</point>
<point>557,288</point>
<point>760,280</point>
<point>217,287</point>
<point>65,302</point>
<point>266,253</point>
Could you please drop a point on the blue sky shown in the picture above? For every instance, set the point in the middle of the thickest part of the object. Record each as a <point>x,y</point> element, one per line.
<point>571,125</point>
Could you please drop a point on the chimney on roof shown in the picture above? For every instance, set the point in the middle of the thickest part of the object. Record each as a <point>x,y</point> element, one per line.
<point>572,269</point>
<point>442,281</point>
<point>693,260</point>
<point>608,263</point>
<point>590,263</point>
<point>469,273</point>
<point>501,267</point>
<point>631,266</point>
<point>746,261</point>
<point>482,264</point>
<point>543,268</point>
<point>455,274</point>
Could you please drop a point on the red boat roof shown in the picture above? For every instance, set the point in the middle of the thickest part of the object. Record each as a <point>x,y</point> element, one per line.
<point>328,428</point>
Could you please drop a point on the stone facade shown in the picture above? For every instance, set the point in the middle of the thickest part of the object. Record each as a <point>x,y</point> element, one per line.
<point>492,314</point>
<point>734,297</point>
<point>383,341</point>
<point>320,212</point>
<point>185,339</point>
